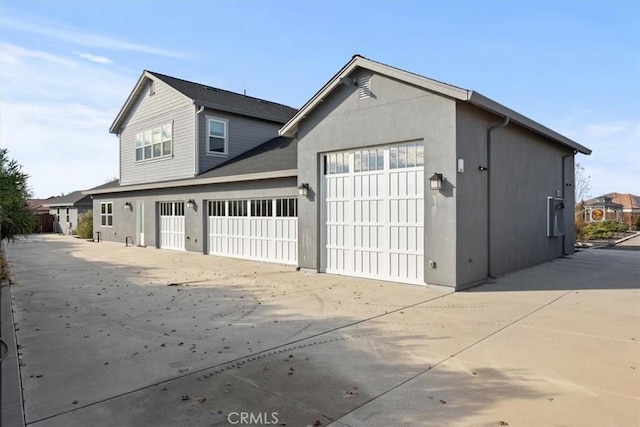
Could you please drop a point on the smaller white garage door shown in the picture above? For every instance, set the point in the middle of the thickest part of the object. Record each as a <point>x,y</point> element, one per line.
<point>172,225</point>
<point>263,230</point>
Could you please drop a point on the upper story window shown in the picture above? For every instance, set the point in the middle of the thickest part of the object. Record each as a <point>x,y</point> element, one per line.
<point>218,136</point>
<point>154,143</point>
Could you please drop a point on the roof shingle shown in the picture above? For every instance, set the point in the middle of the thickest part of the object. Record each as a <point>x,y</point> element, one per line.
<point>229,101</point>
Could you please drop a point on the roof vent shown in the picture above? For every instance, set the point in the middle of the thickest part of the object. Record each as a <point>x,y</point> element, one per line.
<point>364,83</point>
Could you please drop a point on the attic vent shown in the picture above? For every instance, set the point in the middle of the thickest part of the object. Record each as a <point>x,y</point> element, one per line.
<point>152,88</point>
<point>364,83</point>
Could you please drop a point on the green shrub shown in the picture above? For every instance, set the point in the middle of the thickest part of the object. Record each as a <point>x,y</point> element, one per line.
<point>85,225</point>
<point>603,229</point>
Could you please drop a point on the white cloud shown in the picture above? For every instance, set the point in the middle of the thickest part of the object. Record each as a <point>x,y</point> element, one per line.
<point>56,112</point>
<point>95,58</point>
<point>79,37</point>
<point>613,165</point>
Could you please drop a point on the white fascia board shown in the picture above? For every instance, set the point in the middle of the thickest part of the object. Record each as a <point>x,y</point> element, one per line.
<point>137,90</point>
<point>290,128</point>
<point>115,126</point>
<point>492,106</point>
<point>196,181</point>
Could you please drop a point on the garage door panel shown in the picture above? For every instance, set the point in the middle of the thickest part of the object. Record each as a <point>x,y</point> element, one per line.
<point>171,225</point>
<point>264,230</point>
<point>378,232</point>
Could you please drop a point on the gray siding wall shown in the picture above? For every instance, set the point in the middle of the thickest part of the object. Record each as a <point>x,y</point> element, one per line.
<point>244,134</point>
<point>525,170</point>
<point>124,221</point>
<point>165,106</point>
<point>64,226</point>
<point>395,112</point>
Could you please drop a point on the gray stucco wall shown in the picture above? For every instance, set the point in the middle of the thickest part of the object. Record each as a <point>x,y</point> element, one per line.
<point>150,111</point>
<point>64,226</point>
<point>394,113</point>
<point>525,170</point>
<point>244,134</point>
<point>124,221</point>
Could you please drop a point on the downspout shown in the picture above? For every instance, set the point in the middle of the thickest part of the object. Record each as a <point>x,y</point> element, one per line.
<point>197,144</point>
<point>504,123</point>
<point>564,185</point>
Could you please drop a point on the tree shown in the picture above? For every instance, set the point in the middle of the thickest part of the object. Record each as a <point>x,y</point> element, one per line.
<point>582,183</point>
<point>16,217</point>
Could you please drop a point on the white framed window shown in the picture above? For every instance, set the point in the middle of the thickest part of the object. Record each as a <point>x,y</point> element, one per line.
<point>407,155</point>
<point>336,163</point>
<point>287,207</point>
<point>154,143</point>
<point>217,136</point>
<point>106,214</point>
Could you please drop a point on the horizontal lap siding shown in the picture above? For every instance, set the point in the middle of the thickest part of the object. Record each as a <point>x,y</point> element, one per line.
<point>244,134</point>
<point>165,106</point>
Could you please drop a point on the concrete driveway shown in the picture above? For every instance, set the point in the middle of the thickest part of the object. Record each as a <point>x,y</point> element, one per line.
<point>117,336</point>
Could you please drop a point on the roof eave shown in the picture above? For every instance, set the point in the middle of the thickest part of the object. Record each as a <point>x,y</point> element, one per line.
<point>290,128</point>
<point>239,111</point>
<point>454,92</point>
<point>197,181</point>
<point>492,106</point>
<point>137,90</point>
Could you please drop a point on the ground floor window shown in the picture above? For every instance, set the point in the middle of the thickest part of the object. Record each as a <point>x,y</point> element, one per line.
<point>106,214</point>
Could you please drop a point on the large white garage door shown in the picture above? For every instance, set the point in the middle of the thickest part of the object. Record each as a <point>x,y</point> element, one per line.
<point>172,225</point>
<point>264,230</point>
<point>373,213</point>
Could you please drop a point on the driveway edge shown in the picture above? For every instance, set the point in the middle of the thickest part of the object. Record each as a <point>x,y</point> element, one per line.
<point>12,412</point>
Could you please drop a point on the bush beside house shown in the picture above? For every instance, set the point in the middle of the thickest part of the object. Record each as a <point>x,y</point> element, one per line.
<point>85,225</point>
<point>599,230</point>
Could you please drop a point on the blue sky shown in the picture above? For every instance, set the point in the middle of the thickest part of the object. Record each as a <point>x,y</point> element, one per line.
<point>66,68</point>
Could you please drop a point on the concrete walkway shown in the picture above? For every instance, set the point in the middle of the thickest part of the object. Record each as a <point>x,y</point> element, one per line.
<point>115,336</point>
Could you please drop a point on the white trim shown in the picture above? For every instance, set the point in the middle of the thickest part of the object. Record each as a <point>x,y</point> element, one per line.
<point>225,122</point>
<point>151,143</point>
<point>193,182</point>
<point>106,215</point>
<point>460,94</point>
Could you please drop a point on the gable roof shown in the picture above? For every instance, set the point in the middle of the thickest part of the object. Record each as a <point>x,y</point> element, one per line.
<point>276,158</point>
<point>71,199</point>
<point>431,85</point>
<point>210,97</point>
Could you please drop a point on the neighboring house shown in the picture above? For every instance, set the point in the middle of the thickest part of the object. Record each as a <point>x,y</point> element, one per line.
<point>44,220</point>
<point>67,209</point>
<point>382,174</point>
<point>617,206</point>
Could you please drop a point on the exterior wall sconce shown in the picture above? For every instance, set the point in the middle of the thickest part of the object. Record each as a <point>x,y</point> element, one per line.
<point>435,182</point>
<point>128,206</point>
<point>303,189</point>
<point>191,203</point>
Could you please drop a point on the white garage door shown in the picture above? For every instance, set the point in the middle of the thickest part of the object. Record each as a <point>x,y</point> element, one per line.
<point>373,213</point>
<point>172,225</point>
<point>263,230</point>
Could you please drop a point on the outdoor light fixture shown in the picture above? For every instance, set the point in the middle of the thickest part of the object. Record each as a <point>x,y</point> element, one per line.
<point>303,189</point>
<point>127,205</point>
<point>191,203</point>
<point>435,182</point>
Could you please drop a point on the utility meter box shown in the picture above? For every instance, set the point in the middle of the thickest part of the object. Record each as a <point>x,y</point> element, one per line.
<point>555,216</point>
